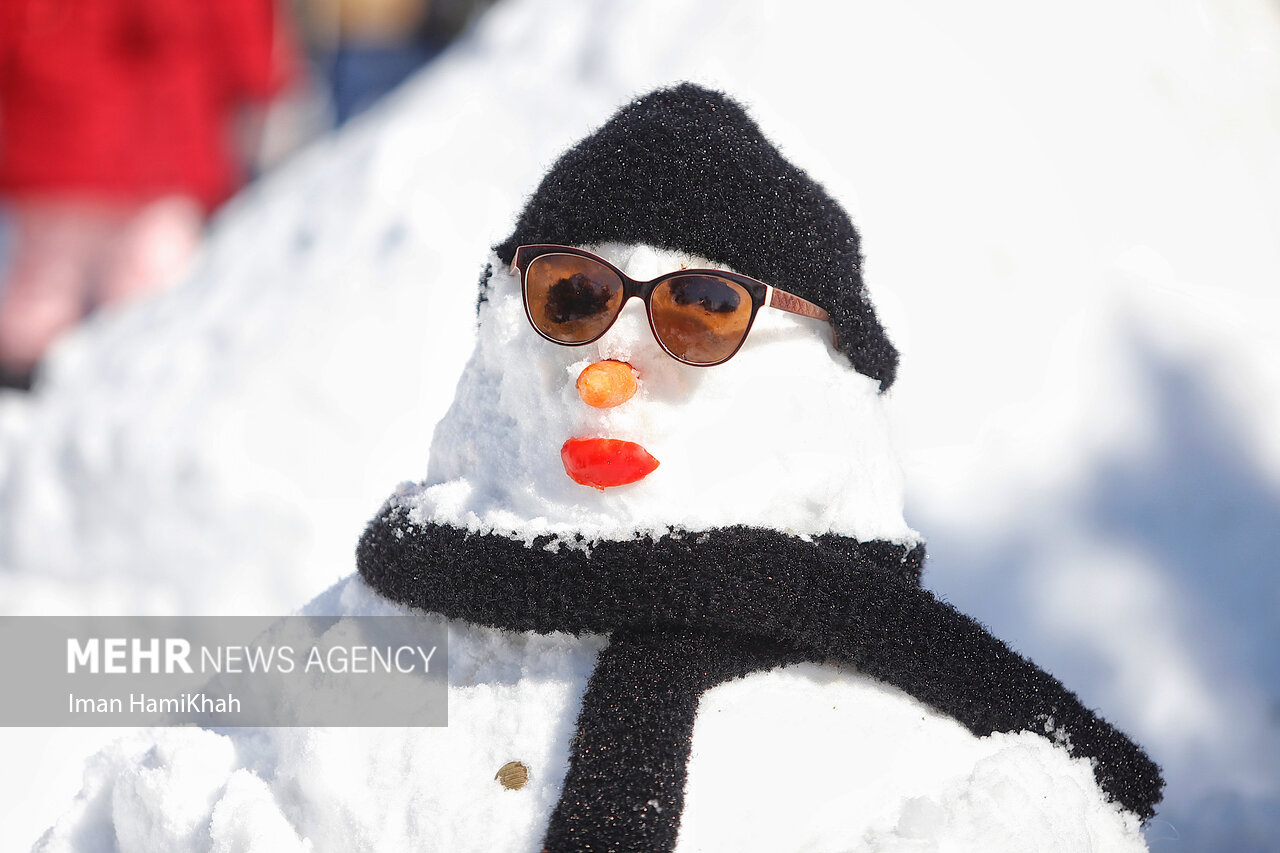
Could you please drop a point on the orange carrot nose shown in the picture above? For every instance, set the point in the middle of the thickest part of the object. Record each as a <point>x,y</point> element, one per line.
<point>606,384</point>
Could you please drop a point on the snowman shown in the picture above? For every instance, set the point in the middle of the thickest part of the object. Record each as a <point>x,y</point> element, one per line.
<point>663,523</point>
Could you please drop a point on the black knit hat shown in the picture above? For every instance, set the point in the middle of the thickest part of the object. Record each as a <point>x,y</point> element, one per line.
<point>686,169</point>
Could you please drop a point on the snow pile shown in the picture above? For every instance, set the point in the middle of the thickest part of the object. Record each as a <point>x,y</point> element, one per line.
<point>164,465</point>
<point>891,774</point>
<point>719,433</point>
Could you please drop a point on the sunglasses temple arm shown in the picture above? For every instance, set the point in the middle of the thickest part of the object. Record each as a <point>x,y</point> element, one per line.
<point>793,304</point>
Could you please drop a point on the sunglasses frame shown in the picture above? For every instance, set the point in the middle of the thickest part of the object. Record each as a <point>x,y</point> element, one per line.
<point>762,296</point>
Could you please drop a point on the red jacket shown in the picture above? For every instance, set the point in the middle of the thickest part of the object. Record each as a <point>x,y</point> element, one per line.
<point>131,98</point>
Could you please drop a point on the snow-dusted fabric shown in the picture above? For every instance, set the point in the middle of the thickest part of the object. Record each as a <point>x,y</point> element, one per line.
<point>687,169</point>
<point>687,612</point>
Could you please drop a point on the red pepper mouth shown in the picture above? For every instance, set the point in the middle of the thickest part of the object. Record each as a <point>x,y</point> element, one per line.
<point>606,462</point>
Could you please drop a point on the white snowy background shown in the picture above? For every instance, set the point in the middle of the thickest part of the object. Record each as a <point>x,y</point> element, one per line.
<point>1071,219</point>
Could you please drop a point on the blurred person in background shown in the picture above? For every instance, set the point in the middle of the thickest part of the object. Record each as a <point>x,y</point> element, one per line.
<point>365,48</point>
<point>116,142</point>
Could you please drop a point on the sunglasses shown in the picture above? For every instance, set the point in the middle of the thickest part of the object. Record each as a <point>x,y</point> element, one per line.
<point>699,317</point>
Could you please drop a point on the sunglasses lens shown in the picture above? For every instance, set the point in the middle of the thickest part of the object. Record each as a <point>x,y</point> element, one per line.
<point>571,299</point>
<point>701,319</point>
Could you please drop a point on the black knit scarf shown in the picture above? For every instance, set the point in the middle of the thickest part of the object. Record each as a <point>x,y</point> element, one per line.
<point>688,611</point>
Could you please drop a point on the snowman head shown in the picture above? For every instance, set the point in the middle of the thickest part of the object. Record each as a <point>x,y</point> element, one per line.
<point>619,436</point>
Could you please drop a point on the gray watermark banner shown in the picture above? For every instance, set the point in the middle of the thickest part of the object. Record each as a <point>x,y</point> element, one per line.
<point>223,671</point>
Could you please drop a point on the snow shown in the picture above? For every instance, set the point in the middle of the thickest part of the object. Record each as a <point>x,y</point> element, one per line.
<point>1068,219</point>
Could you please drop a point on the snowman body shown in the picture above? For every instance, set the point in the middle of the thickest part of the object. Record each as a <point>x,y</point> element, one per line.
<point>808,757</point>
